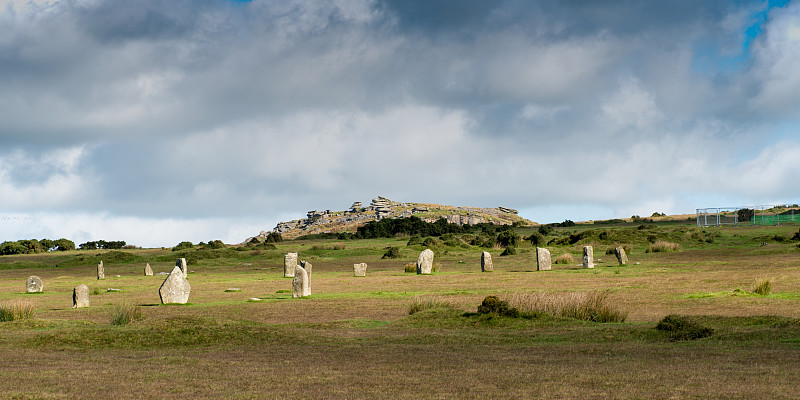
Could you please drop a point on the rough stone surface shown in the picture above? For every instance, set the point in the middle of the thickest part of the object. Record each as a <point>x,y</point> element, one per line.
<point>307,266</point>
<point>289,264</point>
<point>175,288</point>
<point>486,262</point>
<point>588,257</point>
<point>621,256</point>
<point>80,296</point>
<point>543,261</point>
<point>34,284</point>
<point>300,286</point>
<point>147,270</point>
<point>101,272</point>
<point>181,264</point>
<point>425,262</point>
<point>360,269</point>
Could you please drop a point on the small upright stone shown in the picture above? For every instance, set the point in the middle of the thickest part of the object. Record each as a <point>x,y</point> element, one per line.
<point>34,284</point>
<point>289,264</point>
<point>486,262</point>
<point>543,261</point>
<point>588,257</point>
<point>425,262</point>
<point>300,286</point>
<point>147,270</point>
<point>175,288</point>
<point>360,269</point>
<point>101,272</point>
<point>621,256</point>
<point>307,266</point>
<point>181,264</point>
<point>80,296</point>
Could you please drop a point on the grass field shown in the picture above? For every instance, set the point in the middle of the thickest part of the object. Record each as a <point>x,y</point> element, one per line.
<point>354,337</point>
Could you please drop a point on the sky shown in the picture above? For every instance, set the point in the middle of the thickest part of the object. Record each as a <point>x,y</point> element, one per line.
<point>156,122</point>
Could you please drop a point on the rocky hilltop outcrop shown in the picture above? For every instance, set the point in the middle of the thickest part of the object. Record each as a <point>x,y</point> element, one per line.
<point>381,207</point>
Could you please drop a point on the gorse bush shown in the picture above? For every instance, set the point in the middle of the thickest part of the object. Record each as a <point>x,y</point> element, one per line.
<point>683,328</point>
<point>509,251</point>
<point>762,287</point>
<point>507,238</point>
<point>662,246</point>
<point>493,304</point>
<point>123,314</point>
<point>183,246</point>
<point>392,252</point>
<point>16,311</point>
<point>536,238</point>
<point>592,306</point>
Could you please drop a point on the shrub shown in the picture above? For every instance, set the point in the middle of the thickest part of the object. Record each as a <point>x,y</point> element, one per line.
<point>493,304</point>
<point>566,224</point>
<point>274,237</point>
<point>745,215</point>
<point>763,287</point>
<point>123,314</point>
<point>183,246</point>
<point>420,303</point>
<point>662,246</point>
<point>337,246</point>
<point>545,230</point>
<point>509,251</point>
<point>536,239</point>
<point>392,252</point>
<point>430,242</point>
<point>507,238</point>
<point>682,328</point>
<point>16,311</point>
<point>215,244</point>
<point>592,306</point>
<point>414,241</point>
<point>565,258</point>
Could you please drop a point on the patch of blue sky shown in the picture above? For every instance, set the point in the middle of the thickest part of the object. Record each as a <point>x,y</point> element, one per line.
<point>711,58</point>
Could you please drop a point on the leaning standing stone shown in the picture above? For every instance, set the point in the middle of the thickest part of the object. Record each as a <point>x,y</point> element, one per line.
<point>101,273</point>
<point>147,270</point>
<point>34,284</point>
<point>360,269</point>
<point>80,296</point>
<point>621,256</point>
<point>588,257</point>
<point>425,262</point>
<point>300,286</point>
<point>307,266</point>
<point>175,288</point>
<point>289,264</point>
<point>543,261</point>
<point>486,262</point>
<point>181,264</point>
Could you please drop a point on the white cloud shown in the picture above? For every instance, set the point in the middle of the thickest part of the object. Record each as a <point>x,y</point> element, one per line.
<point>777,60</point>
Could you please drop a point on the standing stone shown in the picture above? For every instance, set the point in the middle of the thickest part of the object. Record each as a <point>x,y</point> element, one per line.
<point>175,288</point>
<point>181,264</point>
<point>588,257</point>
<point>360,269</point>
<point>34,284</point>
<point>289,264</point>
<point>101,273</point>
<point>80,296</point>
<point>300,286</point>
<point>147,270</point>
<point>425,262</point>
<point>543,261</point>
<point>307,266</point>
<point>486,262</point>
<point>621,256</point>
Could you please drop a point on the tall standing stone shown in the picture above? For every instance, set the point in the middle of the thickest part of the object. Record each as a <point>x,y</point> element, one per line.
<point>307,266</point>
<point>101,272</point>
<point>80,296</point>
<point>147,270</point>
<point>360,269</point>
<point>425,262</point>
<point>300,284</point>
<point>289,264</point>
<point>543,261</point>
<point>175,288</point>
<point>621,256</point>
<point>486,262</point>
<point>34,284</point>
<point>181,264</point>
<point>588,257</point>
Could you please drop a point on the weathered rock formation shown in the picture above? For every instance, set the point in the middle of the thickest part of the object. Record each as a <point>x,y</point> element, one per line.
<point>147,270</point>
<point>543,261</point>
<point>360,269</point>
<point>486,262</point>
<point>425,262</point>
<point>175,288</point>
<point>588,257</point>
<point>101,272</point>
<point>300,283</point>
<point>289,264</point>
<point>621,256</point>
<point>80,296</point>
<point>34,284</point>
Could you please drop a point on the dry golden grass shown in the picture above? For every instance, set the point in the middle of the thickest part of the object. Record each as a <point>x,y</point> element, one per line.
<point>565,258</point>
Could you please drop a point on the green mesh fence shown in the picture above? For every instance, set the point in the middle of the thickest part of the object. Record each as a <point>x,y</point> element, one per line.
<point>775,219</point>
